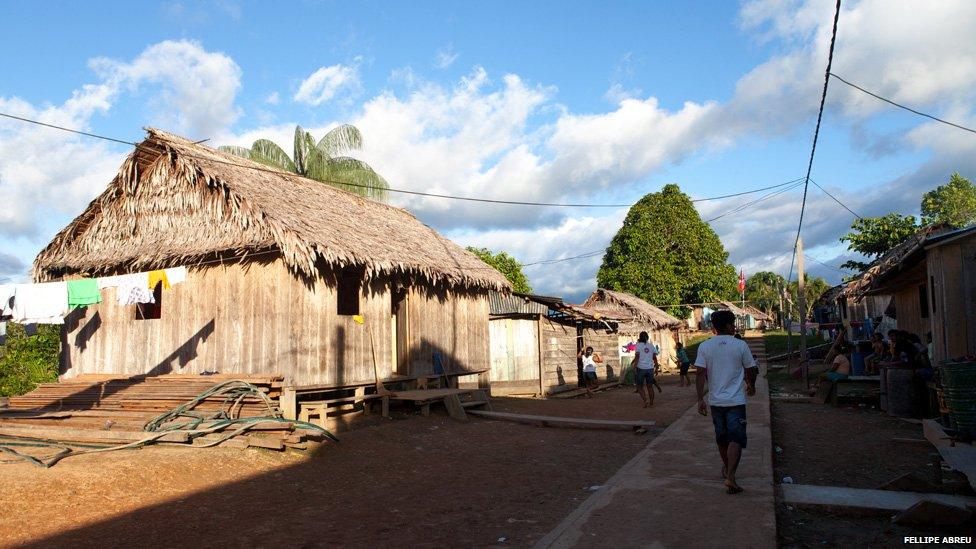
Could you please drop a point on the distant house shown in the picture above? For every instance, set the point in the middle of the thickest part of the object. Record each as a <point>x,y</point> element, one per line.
<point>280,269</point>
<point>535,340</point>
<point>633,316</point>
<point>931,281</point>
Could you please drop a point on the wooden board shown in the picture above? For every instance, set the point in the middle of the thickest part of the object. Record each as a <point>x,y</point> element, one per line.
<point>961,456</point>
<point>885,501</point>
<point>571,422</point>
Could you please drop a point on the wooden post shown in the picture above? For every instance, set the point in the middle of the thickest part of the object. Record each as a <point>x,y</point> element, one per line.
<point>289,403</point>
<point>538,331</point>
<point>802,306</point>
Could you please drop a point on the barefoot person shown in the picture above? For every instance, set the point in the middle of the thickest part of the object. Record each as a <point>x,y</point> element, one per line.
<point>726,365</point>
<point>590,360</point>
<point>683,364</point>
<point>645,359</point>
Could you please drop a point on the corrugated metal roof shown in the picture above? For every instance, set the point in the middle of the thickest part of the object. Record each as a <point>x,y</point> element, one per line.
<point>502,304</point>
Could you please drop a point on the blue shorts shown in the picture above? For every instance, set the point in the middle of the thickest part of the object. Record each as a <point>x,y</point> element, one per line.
<point>589,376</point>
<point>730,424</point>
<point>643,376</point>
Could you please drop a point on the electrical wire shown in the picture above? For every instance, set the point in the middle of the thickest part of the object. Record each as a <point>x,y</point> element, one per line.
<point>401,191</point>
<point>836,200</point>
<point>816,135</point>
<point>754,202</point>
<point>899,105</point>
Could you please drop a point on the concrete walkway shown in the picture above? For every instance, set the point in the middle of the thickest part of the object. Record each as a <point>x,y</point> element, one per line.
<point>671,493</point>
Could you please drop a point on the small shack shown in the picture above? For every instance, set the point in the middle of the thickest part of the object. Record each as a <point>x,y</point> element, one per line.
<point>633,315</point>
<point>931,279</point>
<point>535,340</point>
<point>281,270</point>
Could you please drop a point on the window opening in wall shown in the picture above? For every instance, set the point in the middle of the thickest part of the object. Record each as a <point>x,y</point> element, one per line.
<point>151,311</point>
<point>349,288</point>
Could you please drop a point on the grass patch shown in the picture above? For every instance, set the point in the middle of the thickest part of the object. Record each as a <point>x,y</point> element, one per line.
<point>692,346</point>
<point>777,342</point>
<point>27,360</point>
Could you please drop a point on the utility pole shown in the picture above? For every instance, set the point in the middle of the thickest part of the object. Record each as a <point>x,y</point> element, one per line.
<point>802,306</point>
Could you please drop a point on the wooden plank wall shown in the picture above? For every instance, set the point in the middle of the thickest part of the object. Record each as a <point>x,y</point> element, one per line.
<point>607,346</point>
<point>454,325</point>
<point>260,318</point>
<point>514,349</point>
<point>558,355</point>
<point>952,271</point>
<point>906,307</point>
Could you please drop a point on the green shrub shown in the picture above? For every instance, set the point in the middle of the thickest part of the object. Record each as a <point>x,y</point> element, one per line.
<point>26,360</point>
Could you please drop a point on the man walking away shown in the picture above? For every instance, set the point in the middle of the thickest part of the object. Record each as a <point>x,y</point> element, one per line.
<point>726,365</point>
<point>645,357</point>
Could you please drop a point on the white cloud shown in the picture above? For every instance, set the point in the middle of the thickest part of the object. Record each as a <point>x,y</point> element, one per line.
<point>48,176</point>
<point>445,57</point>
<point>196,88</point>
<point>323,84</point>
<point>273,98</point>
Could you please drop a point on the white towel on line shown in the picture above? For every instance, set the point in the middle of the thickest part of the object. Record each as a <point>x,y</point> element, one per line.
<point>44,303</point>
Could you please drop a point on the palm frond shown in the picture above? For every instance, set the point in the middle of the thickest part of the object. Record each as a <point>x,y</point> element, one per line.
<point>243,152</point>
<point>340,140</point>
<point>351,175</point>
<point>269,153</point>
<point>304,142</point>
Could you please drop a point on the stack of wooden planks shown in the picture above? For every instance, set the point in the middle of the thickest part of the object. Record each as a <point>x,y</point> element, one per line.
<point>115,410</point>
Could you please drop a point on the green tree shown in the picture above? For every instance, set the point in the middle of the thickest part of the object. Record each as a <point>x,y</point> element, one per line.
<point>813,288</point>
<point>762,290</point>
<point>873,236</point>
<point>322,161</point>
<point>26,360</point>
<point>665,254</point>
<point>953,203</point>
<point>507,265</point>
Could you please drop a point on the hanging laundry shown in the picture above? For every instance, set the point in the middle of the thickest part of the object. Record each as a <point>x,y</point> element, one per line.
<point>30,329</point>
<point>156,277</point>
<point>176,275</point>
<point>130,289</point>
<point>6,299</point>
<point>3,333</point>
<point>83,292</point>
<point>45,303</point>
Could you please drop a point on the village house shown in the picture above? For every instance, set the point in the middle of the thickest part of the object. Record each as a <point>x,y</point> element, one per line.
<point>285,275</point>
<point>930,280</point>
<point>633,315</point>
<point>535,341</point>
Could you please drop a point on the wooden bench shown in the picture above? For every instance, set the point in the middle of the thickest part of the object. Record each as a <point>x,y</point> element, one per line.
<point>856,387</point>
<point>321,409</point>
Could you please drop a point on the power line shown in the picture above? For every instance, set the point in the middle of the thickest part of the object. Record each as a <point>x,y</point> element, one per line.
<point>816,134</point>
<point>754,202</point>
<point>836,200</point>
<point>401,191</point>
<point>838,269</point>
<point>899,105</point>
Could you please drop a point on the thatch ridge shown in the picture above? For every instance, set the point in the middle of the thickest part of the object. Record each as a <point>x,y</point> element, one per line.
<point>867,281</point>
<point>629,308</point>
<point>178,202</point>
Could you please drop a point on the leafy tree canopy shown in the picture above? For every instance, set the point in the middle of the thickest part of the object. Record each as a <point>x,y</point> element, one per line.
<point>873,236</point>
<point>762,290</point>
<point>507,265</point>
<point>322,161</point>
<point>953,203</point>
<point>664,253</point>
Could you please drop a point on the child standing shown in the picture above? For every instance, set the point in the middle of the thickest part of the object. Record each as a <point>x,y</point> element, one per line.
<point>683,364</point>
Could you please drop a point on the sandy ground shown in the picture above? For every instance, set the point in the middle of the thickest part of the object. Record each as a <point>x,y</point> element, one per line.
<point>410,481</point>
<point>850,447</point>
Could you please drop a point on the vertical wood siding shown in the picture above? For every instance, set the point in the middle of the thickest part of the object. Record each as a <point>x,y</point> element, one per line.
<point>260,318</point>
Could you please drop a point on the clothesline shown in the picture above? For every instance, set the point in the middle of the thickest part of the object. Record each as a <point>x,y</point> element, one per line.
<point>50,302</point>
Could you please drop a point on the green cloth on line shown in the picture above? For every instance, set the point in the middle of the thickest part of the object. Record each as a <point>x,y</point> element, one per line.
<point>83,292</point>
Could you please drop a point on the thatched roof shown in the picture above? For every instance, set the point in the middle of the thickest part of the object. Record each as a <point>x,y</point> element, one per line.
<point>757,314</point>
<point>175,202</point>
<point>632,312</point>
<point>890,263</point>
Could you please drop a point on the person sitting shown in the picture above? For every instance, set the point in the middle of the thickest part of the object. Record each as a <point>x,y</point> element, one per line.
<point>859,358</point>
<point>840,368</point>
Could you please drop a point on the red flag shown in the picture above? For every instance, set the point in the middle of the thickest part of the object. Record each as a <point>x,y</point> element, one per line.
<point>742,281</point>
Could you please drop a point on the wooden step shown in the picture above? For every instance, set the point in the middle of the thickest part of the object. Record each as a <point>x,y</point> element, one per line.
<point>474,403</point>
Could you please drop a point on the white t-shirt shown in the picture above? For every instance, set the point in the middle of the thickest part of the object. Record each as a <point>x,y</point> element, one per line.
<point>588,364</point>
<point>645,358</point>
<point>726,359</point>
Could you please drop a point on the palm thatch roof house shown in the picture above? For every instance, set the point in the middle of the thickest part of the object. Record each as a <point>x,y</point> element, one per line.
<point>931,281</point>
<point>633,315</point>
<point>278,267</point>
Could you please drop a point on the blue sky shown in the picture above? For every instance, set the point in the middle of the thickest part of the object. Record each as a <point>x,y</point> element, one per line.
<point>580,101</point>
